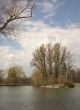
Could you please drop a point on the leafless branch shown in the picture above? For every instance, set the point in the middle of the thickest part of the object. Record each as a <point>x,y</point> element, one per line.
<point>13,10</point>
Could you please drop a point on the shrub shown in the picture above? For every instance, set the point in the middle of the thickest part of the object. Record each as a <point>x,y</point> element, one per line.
<point>69,84</point>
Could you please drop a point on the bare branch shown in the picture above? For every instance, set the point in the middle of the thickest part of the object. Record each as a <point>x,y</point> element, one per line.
<point>11,11</point>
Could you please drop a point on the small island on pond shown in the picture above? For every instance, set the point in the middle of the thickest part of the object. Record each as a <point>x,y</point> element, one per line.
<point>53,67</point>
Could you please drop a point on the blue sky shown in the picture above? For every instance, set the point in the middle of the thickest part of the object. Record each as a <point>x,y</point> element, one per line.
<point>61,11</point>
<point>52,21</point>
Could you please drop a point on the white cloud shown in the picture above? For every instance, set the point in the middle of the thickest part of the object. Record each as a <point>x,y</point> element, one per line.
<point>31,39</point>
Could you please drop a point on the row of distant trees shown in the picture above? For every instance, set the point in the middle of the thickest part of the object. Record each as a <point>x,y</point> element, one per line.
<point>53,64</point>
<point>15,76</point>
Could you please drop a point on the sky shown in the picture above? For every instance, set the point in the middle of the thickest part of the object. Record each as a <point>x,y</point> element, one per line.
<point>52,21</point>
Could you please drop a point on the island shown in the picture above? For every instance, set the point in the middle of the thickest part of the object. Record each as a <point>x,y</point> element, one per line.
<point>53,67</point>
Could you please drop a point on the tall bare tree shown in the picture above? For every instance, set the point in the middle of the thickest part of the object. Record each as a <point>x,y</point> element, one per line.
<point>39,60</point>
<point>13,10</point>
<point>63,58</point>
<point>50,58</point>
<point>56,59</point>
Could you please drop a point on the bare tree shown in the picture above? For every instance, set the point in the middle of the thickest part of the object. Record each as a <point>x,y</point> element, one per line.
<point>39,60</point>
<point>56,59</point>
<point>63,61</point>
<point>13,10</point>
<point>63,58</point>
<point>50,58</point>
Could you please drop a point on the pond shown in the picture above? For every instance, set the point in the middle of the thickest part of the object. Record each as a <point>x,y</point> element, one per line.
<point>29,98</point>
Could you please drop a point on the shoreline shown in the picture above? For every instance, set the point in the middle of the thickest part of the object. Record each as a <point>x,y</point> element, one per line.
<point>56,86</point>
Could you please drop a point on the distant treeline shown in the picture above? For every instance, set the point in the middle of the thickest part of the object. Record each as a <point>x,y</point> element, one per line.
<point>52,64</point>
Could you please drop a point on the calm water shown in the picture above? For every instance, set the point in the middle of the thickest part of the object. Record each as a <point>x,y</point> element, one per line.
<point>29,98</point>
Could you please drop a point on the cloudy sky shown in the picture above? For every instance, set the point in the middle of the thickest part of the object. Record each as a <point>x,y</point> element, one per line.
<point>52,21</point>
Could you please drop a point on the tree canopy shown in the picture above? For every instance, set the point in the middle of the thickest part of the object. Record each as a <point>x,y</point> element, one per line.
<point>15,74</point>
